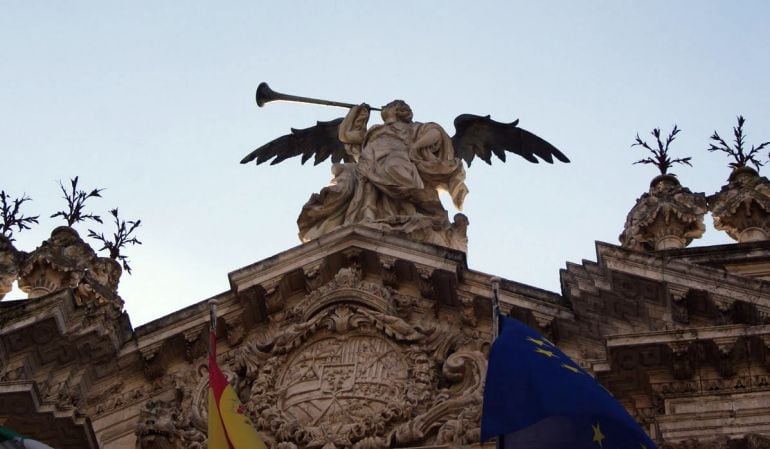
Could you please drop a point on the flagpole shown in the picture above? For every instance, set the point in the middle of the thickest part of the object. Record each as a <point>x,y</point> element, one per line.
<point>212,326</point>
<point>495,281</point>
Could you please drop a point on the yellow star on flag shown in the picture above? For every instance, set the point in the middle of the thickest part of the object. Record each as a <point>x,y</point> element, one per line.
<point>571,368</point>
<point>598,435</point>
<point>537,341</point>
<point>548,354</point>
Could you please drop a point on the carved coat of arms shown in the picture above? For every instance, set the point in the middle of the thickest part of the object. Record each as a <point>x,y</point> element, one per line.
<point>349,366</point>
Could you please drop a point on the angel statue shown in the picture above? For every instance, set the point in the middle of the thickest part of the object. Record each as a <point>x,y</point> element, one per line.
<point>388,176</point>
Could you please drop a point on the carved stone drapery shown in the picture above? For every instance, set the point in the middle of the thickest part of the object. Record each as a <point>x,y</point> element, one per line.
<point>742,207</point>
<point>668,216</point>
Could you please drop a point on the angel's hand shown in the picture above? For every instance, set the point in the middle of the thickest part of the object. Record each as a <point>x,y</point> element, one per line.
<point>361,110</point>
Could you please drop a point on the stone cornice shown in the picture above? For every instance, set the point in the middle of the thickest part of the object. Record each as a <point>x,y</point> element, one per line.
<point>723,286</point>
<point>361,237</point>
<point>515,294</point>
<point>686,335</point>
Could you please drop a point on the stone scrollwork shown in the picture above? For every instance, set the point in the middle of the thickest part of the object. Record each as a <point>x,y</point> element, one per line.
<point>668,216</point>
<point>466,371</point>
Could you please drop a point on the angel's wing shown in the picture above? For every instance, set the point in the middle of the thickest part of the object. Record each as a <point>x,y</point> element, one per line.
<point>481,136</point>
<point>320,141</point>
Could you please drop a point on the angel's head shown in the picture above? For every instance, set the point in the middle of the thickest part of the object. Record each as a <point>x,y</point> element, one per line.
<point>397,110</point>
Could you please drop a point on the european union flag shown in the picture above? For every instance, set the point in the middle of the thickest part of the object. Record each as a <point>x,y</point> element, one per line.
<point>536,398</point>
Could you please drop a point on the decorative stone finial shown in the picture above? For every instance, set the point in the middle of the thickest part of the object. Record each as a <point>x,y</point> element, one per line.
<point>59,262</point>
<point>742,207</point>
<point>668,216</point>
<point>10,261</point>
<point>66,261</point>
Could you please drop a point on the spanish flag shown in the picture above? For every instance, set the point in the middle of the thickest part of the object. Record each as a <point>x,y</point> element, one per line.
<point>229,425</point>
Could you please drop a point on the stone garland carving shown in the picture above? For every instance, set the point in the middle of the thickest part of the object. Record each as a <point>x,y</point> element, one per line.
<point>668,216</point>
<point>742,207</point>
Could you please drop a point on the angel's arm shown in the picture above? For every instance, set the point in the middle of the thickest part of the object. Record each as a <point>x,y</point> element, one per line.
<point>430,138</point>
<point>353,127</point>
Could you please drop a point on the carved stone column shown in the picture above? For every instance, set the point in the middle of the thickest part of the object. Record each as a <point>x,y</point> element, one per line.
<point>742,207</point>
<point>668,216</point>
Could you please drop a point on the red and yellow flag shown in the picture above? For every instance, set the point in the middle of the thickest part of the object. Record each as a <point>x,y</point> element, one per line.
<point>229,426</point>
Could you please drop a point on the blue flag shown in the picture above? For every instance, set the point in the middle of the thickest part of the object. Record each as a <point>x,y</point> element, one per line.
<point>538,398</point>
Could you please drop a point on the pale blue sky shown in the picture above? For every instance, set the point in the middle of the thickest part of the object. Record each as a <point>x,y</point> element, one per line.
<point>154,102</point>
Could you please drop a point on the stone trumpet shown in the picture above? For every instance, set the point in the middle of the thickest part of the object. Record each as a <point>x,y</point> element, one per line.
<point>265,95</point>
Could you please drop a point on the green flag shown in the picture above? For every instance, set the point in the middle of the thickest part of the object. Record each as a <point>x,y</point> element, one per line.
<point>12,440</point>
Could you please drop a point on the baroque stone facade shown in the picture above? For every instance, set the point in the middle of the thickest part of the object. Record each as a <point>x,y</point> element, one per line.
<point>366,340</point>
